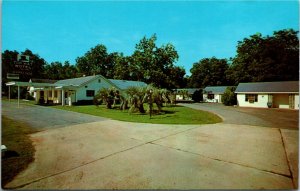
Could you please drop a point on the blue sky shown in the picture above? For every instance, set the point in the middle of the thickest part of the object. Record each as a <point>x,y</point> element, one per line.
<point>64,30</point>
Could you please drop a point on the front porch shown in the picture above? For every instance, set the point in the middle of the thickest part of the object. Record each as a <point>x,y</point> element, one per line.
<point>45,93</point>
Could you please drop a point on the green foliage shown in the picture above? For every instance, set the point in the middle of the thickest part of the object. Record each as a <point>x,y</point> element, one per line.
<point>96,61</point>
<point>136,98</point>
<point>269,58</point>
<point>105,95</point>
<point>197,96</point>
<point>229,97</point>
<point>148,63</point>
<point>155,65</point>
<point>59,71</point>
<point>123,67</point>
<point>207,72</point>
<point>259,58</point>
<point>9,58</point>
<point>184,94</point>
<point>169,115</point>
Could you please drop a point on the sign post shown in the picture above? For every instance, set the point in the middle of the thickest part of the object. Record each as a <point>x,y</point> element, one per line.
<point>18,96</point>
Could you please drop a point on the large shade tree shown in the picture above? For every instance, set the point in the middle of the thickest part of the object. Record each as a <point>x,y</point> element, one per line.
<point>96,61</point>
<point>59,71</point>
<point>208,72</point>
<point>153,64</point>
<point>269,58</point>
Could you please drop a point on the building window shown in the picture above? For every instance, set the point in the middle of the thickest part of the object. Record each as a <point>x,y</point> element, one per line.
<point>251,98</point>
<point>90,93</point>
<point>55,93</point>
<point>210,96</point>
<point>50,93</point>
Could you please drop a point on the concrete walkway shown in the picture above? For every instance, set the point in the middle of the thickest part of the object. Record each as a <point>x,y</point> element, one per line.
<point>109,154</point>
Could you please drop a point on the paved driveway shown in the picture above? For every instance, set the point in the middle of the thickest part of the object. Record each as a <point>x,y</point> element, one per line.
<point>278,118</point>
<point>109,154</point>
<point>45,117</point>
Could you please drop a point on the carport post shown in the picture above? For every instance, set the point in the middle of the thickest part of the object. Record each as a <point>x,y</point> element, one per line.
<point>18,96</point>
<point>62,97</point>
<point>9,93</point>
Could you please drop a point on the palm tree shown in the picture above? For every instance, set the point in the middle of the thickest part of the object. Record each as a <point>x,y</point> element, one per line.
<point>136,96</point>
<point>105,95</point>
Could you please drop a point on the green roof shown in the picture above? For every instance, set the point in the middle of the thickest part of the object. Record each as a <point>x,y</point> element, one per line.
<point>189,90</point>
<point>124,84</point>
<point>215,89</point>
<point>76,81</point>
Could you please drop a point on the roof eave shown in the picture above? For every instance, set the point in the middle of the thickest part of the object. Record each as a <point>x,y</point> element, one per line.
<point>267,92</point>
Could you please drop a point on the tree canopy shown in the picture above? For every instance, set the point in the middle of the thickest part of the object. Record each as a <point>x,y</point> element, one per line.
<point>96,61</point>
<point>148,63</point>
<point>208,72</point>
<point>258,58</point>
<point>269,58</point>
<point>155,65</point>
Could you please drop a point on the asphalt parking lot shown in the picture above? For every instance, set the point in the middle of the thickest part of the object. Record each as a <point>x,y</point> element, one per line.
<point>109,154</point>
<point>43,118</point>
<point>277,118</point>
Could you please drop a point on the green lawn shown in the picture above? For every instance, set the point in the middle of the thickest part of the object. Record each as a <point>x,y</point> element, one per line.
<point>170,115</point>
<point>20,149</point>
<point>22,101</point>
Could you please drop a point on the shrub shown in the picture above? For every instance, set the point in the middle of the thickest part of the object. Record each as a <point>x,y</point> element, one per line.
<point>229,97</point>
<point>197,96</point>
<point>28,96</point>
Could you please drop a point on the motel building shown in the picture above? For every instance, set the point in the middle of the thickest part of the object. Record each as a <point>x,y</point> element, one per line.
<point>70,91</point>
<point>214,94</point>
<point>269,94</point>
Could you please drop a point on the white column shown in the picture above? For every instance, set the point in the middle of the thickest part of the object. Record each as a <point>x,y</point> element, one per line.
<point>36,96</point>
<point>62,97</point>
<point>45,95</point>
<point>52,94</point>
<point>58,96</point>
<point>18,96</point>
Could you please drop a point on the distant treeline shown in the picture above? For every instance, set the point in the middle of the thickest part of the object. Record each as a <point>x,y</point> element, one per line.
<point>258,58</point>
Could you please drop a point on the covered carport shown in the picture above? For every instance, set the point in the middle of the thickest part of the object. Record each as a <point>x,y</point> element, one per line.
<point>36,85</point>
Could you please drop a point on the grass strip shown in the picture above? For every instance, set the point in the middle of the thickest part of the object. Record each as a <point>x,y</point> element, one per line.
<point>169,115</point>
<point>15,136</point>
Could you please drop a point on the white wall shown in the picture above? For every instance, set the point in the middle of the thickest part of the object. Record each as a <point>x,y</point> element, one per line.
<point>179,97</point>
<point>262,100</point>
<point>93,85</point>
<point>296,101</point>
<point>217,98</point>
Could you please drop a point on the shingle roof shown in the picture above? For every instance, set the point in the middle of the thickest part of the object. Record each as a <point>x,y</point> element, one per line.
<point>36,80</point>
<point>190,90</point>
<point>124,84</point>
<point>121,84</point>
<point>215,89</point>
<point>76,81</point>
<point>268,87</point>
